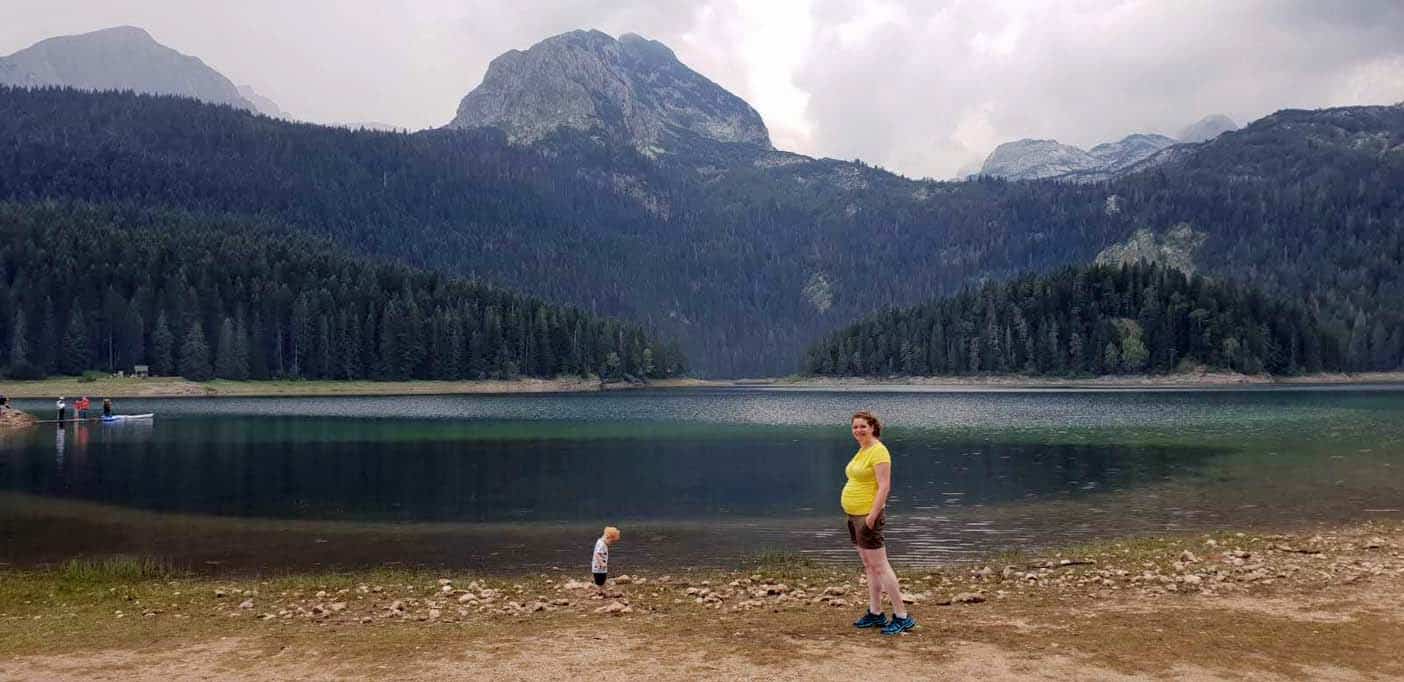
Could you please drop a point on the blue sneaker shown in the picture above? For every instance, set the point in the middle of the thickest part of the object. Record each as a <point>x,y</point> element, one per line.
<point>871,620</point>
<point>899,625</point>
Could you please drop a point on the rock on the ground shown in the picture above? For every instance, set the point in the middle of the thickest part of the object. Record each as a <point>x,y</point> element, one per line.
<point>614,607</point>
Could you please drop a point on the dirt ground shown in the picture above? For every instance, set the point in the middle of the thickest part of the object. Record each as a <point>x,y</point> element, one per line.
<point>1229,606</point>
<point>130,387</point>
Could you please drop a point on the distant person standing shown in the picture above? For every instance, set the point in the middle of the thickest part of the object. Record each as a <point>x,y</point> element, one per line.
<point>864,500</point>
<point>599,563</point>
<point>62,408</point>
<point>81,407</point>
<point>107,407</point>
<point>4,402</point>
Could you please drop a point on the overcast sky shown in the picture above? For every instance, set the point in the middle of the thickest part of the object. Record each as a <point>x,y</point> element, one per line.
<point>924,88</point>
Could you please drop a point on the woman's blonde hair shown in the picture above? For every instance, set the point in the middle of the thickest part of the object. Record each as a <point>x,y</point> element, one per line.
<point>871,419</point>
<point>611,532</point>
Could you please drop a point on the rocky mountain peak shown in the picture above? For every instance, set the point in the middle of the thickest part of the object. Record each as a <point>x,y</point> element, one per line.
<point>1128,150</point>
<point>1033,159</point>
<point>1030,159</point>
<point>1207,128</point>
<point>632,90</point>
<point>117,58</point>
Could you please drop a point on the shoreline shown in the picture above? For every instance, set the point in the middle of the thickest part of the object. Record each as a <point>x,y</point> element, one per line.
<point>1132,381</point>
<point>175,387</point>
<point>1311,601</point>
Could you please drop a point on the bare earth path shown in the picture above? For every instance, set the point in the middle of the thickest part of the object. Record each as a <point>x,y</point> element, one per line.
<point>1321,604</point>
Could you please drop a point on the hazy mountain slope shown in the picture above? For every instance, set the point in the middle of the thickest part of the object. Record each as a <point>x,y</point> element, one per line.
<point>1207,128</point>
<point>120,58</point>
<point>262,104</point>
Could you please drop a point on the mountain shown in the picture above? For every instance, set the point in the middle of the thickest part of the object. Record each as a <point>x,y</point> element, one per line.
<point>1029,159</point>
<point>1207,128</point>
<point>632,91</point>
<point>1114,156</point>
<point>120,58</point>
<point>1035,159</point>
<point>262,104</point>
<point>753,254</point>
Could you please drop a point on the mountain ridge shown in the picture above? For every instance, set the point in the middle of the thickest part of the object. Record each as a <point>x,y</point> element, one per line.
<point>751,256</point>
<point>118,58</point>
<point>1037,159</point>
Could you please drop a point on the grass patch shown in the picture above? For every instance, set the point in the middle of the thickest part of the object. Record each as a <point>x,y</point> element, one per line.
<point>117,568</point>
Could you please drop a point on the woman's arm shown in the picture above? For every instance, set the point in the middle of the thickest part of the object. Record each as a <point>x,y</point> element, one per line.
<point>883,472</point>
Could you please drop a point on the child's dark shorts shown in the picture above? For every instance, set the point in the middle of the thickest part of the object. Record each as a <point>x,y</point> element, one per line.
<point>600,578</point>
<point>862,535</point>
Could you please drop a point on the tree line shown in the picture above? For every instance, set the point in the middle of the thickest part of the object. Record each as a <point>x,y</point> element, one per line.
<point>1085,320</point>
<point>107,288</point>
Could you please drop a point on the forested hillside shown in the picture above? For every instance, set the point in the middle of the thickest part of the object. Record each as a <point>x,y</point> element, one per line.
<point>1098,320</point>
<point>745,254</point>
<point>98,288</point>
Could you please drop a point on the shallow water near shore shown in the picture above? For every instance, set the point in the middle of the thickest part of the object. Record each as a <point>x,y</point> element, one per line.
<point>707,477</point>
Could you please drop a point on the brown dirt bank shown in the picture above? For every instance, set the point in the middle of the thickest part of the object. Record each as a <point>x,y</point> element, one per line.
<point>1224,606</point>
<point>177,387</point>
<point>1137,381</point>
<point>12,419</point>
<point>154,387</point>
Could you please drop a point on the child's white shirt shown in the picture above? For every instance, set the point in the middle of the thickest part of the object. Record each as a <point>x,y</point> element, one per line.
<point>600,564</point>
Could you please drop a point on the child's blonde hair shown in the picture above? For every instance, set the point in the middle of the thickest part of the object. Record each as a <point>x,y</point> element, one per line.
<point>611,533</point>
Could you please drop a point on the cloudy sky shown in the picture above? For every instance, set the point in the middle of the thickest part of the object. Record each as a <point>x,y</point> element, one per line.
<point>924,88</point>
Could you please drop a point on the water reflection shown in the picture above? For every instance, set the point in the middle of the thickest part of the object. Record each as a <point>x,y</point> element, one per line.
<point>228,467</point>
<point>699,477</point>
<point>59,437</point>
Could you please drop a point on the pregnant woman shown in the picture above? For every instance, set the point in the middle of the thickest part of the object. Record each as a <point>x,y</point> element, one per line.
<point>864,499</point>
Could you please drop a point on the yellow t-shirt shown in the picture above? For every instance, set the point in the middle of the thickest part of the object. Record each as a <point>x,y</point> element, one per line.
<point>861,490</point>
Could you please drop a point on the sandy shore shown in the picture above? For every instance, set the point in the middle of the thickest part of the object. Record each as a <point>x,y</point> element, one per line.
<point>154,387</point>
<point>178,387</point>
<point>1319,603</point>
<point>1133,381</point>
<point>12,419</point>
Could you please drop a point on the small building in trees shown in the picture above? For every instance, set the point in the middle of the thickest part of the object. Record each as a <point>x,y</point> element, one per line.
<point>141,371</point>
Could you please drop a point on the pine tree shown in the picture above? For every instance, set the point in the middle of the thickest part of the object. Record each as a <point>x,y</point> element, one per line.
<point>20,365</point>
<point>46,355</point>
<point>133,349</point>
<point>162,348</point>
<point>195,355</point>
<point>230,360</point>
<point>1111,358</point>
<point>73,357</point>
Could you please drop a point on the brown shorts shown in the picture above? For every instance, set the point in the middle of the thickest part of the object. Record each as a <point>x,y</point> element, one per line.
<point>862,535</point>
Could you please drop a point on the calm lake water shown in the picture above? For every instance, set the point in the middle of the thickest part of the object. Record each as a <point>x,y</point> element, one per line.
<point>694,477</point>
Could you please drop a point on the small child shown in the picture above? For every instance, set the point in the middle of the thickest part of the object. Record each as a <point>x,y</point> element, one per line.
<point>600,564</point>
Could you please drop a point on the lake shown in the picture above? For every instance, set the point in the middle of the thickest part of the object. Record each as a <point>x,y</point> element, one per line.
<point>694,477</point>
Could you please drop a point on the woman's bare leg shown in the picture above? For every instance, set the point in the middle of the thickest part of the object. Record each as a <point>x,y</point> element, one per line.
<point>874,582</point>
<point>882,575</point>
